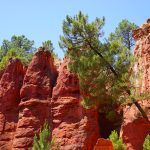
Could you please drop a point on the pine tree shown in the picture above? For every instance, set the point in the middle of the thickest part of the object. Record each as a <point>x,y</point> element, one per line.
<point>124,33</point>
<point>12,53</point>
<point>48,45</point>
<point>22,45</point>
<point>43,143</point>
<point>102,68</point>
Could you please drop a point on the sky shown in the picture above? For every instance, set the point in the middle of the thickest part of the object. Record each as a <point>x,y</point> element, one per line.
<point>41,20</point>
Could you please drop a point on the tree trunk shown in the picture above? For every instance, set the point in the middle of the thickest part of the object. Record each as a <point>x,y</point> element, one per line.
<point>140,109</point>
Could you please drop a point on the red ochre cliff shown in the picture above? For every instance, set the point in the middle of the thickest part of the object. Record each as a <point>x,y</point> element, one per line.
<point>35,105</point>
<point>74,127</point>
<point>43,91</point>
<point>134,128</point>
<point>10,85</point>
<point>29,97</point>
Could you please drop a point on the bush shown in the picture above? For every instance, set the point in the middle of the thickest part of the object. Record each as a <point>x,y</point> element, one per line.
<point>116,141</point>
<point>146,145</point>
<point>12,53</point>
<point>43,143</point>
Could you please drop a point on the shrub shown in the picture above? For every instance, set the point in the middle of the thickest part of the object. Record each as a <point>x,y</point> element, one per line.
<point>146,145</point>
<point>116,141</point>
<point>12,53</point>
<point>43,142</point>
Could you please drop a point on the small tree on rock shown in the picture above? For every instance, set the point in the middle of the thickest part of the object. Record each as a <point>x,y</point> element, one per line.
<point>43,142</point>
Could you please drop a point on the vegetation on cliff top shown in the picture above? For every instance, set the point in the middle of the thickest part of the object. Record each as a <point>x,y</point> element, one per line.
<point>18,47</point>
<point>22,48</point>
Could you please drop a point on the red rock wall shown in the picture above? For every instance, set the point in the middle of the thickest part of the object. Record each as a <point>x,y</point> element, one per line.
<point>10,85</point>
<point>27,98</point>
<point>34,107</point>
<point>103,144</point>
<point>142,52</point>
<point>135,128</point>
<point>74,127</point>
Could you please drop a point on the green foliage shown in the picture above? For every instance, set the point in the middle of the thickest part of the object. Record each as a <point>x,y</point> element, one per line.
<point>49,47</point>
<point>43,142</point>
<point>116,141</point>
<point>23,46</point>
<point>123,33</point>
<point>146,145</point>
<point>12,53</point>
<point>102,68</point>
<point>6,45</point>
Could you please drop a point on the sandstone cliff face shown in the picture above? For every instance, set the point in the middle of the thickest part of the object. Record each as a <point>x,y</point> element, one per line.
<point>74,127</point>
<point>10,85</point>
<point>134,128</point>
<point>35,93</point>
<point>103,144</point>
<point>30,95</point>
<point>142,52</point>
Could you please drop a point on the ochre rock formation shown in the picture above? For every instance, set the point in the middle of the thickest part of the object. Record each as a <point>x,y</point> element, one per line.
<point>103,144</point>
<point>74,127</point>
<point>135,128</point>
<point>10,85</point>
<point>30,95</point>
<point>35,93</point>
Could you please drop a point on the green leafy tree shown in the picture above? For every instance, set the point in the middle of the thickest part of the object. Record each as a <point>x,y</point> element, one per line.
<point>23,45</point>
<point>43,142</point>
<point>146,145</point>
<point>116,141</point>
<point>102,68</point>
<point>49,47</point>
<point>12,53</point>
<point>5,47</point>
<point>124,33</point>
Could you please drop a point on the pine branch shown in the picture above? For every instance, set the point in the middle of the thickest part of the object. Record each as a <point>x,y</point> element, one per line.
<point>117,75</point>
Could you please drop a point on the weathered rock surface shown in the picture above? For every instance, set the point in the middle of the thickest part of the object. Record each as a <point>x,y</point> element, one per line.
<point>40,77</point>
<point>35,93</point>
<point>135,128</point>
<point>26,101</point>
<point>74,127</point>
<point>10,85</point>
<point>103,144</point>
